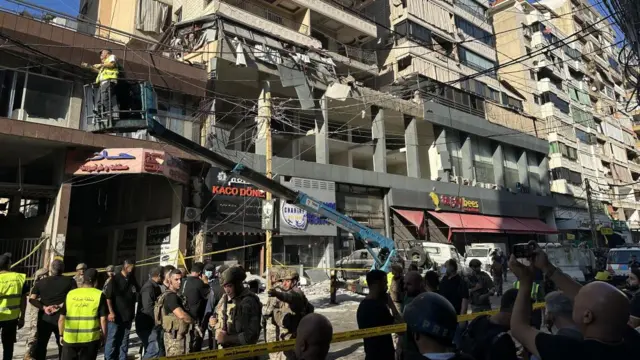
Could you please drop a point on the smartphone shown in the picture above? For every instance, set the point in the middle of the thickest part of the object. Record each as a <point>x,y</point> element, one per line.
<point>522,251</point>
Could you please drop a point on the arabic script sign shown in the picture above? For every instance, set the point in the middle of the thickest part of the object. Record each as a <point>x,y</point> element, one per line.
<point>127,161</point>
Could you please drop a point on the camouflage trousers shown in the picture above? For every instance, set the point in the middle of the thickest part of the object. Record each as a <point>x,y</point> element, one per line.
<point>286,355</point>
<point>174,347</point>
<point>31,324</point>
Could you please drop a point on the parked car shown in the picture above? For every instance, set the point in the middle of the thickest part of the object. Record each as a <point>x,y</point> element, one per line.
<point>362,259</point>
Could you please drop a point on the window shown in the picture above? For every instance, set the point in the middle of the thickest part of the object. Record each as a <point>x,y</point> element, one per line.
<point>562,105</point>
<point>568,152</point>
<point>613,63</point>
<point>532,75</point>
<point>582,117</point>
<point>572,53</point>
<point>472,7</point>
<point>178,15</point>
<point>404,63</point>
<point>475,32</point>
<point>480,89</point>
<point>476,62</point>
<point>536,99</point>
<point>46,98</point>
<point>528,50</point>
<point>571,177</point>
<point>512,102</point>
<point>414,32</point>
<point>585,138</point>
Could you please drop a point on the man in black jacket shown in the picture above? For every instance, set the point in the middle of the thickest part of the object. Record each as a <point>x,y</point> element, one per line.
<point>149,333</point>
<point>215,294</point>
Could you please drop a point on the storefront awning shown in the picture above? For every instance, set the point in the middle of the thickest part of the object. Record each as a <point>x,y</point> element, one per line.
<point>415,217</point>
<point>459,222</point>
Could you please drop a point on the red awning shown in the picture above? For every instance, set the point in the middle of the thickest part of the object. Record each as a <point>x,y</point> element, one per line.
<point>537,226</point>
<point>415,217</point>
<point>459,222</point>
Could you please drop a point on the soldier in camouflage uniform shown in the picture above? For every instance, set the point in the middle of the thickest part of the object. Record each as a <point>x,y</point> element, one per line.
<point>290,306</point>
<point>170,312</point>
<point>267,311</point>
<point>32,318</point>
<point>237,320</point>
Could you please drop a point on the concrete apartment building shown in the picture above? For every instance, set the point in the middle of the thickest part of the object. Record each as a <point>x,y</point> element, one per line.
<point>362,118</point>
<point>578,88</point>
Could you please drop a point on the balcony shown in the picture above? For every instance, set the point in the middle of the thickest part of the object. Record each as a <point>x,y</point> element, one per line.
<point>549,109</point>
<point>579,15</point>
<point>634,166</point>
<point>357,58</point>
<point>544,62</point>
<point>602,62</point>
<point>545,85</point>
<point>331,11</point>
<point>256,16</point>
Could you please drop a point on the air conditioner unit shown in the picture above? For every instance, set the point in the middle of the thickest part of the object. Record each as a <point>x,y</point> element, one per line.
<point>191,214</point>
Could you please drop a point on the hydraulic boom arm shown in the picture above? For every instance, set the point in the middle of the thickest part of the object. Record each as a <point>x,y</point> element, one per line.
<point>371,238</point>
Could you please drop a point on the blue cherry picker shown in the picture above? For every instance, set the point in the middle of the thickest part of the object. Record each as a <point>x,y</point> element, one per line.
<point>141,113</point>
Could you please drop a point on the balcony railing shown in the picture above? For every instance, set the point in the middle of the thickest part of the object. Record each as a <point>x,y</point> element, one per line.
<point>265,13</point>
<point>368,57</point>
<point>349,9</point>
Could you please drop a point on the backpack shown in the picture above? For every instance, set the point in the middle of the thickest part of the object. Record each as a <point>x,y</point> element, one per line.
<point>487,343</point>
<point>158,309</point>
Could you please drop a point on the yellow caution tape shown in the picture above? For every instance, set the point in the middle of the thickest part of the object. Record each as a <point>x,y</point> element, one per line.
<point>242,352</point>
<point>224,251</point>
<point>31,253</point>
<point>321,268</point>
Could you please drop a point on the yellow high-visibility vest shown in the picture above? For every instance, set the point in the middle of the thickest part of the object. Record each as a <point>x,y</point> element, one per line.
<point>11,285</point>
<point>82,323</point>
<point>534,288</point>
<point>107,73</point>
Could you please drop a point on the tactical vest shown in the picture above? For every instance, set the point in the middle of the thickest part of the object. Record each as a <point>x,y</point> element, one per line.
<point>233,326</point>
<point>107,73</point>
<point>534,289</point>
<point>11,284</point>
<point>169,322</point>
<point>82,323</point>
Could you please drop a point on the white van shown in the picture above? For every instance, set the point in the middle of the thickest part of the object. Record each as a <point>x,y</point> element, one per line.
<point>570,259</point>
<point>619,257</point>
<point>483,253</point>
<point>439,253</point>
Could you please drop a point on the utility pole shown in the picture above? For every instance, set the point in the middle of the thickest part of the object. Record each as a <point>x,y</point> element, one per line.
<point>592,222</point>
<point>264,132</point>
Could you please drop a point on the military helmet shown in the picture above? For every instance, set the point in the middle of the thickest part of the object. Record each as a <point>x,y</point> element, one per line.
<point>233,275</point>
<point>290,274</point>
<point>277,273</point>
<point>475,263</point>
<point>41,272</point>
<point>433,315</point>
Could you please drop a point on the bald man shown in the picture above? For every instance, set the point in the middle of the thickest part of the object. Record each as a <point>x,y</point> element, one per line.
<point>314,337</point>
<point>600,312</point>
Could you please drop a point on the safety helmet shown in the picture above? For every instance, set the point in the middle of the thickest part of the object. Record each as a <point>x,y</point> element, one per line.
<point>433,315</point>
<point>290,275</point>
<point>233,275</point>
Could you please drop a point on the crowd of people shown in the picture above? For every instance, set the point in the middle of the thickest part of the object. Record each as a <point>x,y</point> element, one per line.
<point>594,321</point>
<point>174,311</point>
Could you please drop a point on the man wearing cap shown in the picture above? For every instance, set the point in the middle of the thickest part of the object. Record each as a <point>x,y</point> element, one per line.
<point>12,305</point>
<point>215,294</point>
<point>111,271</point>
<point>32,317</point>
<point>238,312</point>
<point>79,278</point>
<point>291,306</point>
<point>431,324</point>
<point>83,320</point>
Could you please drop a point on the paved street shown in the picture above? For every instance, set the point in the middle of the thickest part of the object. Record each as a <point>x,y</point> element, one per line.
<point>342,316</point>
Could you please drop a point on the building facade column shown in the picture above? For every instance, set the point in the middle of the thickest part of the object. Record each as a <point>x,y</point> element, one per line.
<point>178,237</point>
<point>322,131</point>
<point>412,149</point>
<point>379,140</point>
<point>543,171</point>
<point>466,152</point>
<point>58,219</point>
<point>442,151</point>
<point>498,165</point>
<point>523,169</point>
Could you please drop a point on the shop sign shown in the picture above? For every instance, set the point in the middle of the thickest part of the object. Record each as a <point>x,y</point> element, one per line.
<point>127,161</point>
<point>458,203</point>
<point>126,248</point>
<point>570,236</point>
<point>297,221</point>
<point>619,225</point>
<point>235,203</point>
<point>158,243</point>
